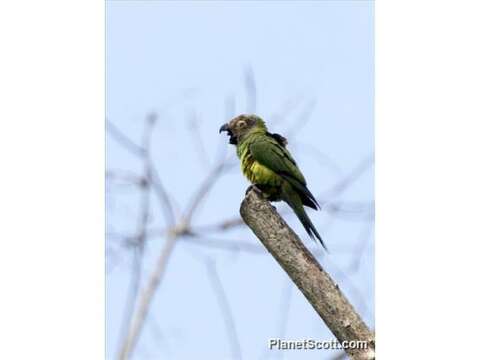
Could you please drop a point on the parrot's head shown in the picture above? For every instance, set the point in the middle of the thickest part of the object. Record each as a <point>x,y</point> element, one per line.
<point>242,125</point>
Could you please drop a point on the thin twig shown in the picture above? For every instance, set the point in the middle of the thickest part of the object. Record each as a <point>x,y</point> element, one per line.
<point>288,107</point>
<point>203,190</point>
<point>225,309</point>
<point>221,226</point>
<point>197,139</point>
<point>302,119</point>
<point>124,140</point>
<point>125,176</point>
<point>163,197</point>
<point>286,301</point>
<point>223,244</point>
<point>321,158</point>
<point>152,174</point>
<point>138,253</point>
<point>146,297</point>
<point>159,337</point>
<point>342,185</point>
<point>359,248</point>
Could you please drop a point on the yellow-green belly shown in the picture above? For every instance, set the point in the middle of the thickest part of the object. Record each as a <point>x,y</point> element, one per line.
<point>256,173</point>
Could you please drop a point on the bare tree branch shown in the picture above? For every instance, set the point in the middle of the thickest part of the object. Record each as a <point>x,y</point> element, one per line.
<point>224,244</point>
<point>321,158</point>
<point>124,140</point>
<point>223,225</point>
<point>150,173</point>
<point>320,290</point>
<point>287,108</point>
<point>163,197</point>
<point>225,308</point>
<point>160,338</point>
<point>193,122</point>
<point>138,253</point>
<point>146,297</point>
<point>360,247</point>
<point>204,189</point>
<point>342,185</point>
<point>128,177</point>
<point>302,119</point>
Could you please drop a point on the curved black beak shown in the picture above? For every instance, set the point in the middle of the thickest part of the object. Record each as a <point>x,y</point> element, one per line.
<point>224,127</point>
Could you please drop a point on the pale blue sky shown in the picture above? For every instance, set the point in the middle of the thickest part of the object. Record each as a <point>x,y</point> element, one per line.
<point>176,57</point>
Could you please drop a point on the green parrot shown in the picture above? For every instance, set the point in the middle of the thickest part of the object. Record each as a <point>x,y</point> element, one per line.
<point>268,165</point>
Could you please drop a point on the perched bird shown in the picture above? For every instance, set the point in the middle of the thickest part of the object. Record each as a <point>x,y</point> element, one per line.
<point>268,165</point>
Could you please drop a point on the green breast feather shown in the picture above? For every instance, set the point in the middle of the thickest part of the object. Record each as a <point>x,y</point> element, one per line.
<point>254,171</point>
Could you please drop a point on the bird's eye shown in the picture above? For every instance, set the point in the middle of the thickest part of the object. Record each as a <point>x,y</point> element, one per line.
<point>241,123</point>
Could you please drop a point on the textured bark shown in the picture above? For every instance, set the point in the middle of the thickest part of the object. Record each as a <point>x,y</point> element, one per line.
<point>307,274</point>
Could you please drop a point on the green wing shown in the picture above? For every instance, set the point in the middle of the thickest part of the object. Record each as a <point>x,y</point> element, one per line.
<point>268,152</point>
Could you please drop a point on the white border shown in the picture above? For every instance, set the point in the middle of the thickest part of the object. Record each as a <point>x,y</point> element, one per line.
<point>52,182</point>
<point>427,179</point>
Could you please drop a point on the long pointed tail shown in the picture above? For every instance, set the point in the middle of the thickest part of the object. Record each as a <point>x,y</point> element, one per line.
<point>295,202</point>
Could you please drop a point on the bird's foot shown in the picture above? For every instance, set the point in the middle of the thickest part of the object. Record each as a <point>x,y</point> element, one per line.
<point>255,188</point>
